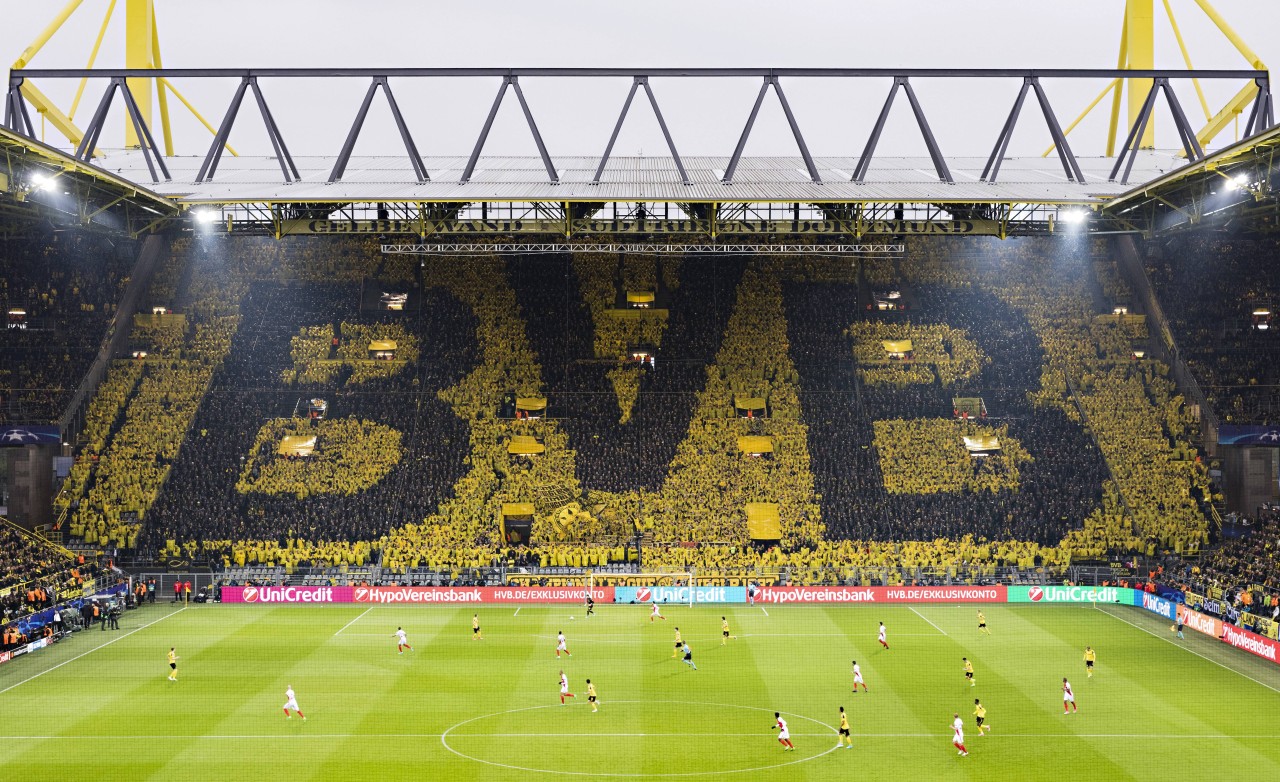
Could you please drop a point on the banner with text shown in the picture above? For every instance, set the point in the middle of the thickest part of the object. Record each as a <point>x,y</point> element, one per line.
<point>899,594</point>
<point>681,594</point>
<point>1156,605</point>
<point>286,594</point>
<point>1070,594</point>
<point>1201,623</point>
<point>1252,643</point>
<point>506,594</point>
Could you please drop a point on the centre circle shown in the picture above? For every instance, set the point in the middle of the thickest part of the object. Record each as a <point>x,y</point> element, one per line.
<point>608,753</point>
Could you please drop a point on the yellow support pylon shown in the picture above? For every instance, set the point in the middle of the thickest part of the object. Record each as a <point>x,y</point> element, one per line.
<point>1137,51</point>
<point>142,51</point>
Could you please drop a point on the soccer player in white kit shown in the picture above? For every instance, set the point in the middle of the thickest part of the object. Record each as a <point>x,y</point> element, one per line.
<point>883,642</point>
<point>564,688</point>
<point>857,677</point>
<point>402,640</point>
<point>656,614</point>
<point>561,644</point>
<point>957,740</point>
<point>1068,697</point>
<point>784,734</point>
<point>291,702</point>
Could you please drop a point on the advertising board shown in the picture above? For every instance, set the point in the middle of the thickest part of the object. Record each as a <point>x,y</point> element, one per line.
<point>902,594</point>
<point>1252,643</point>
<point>286,594</point>
<point>1052,593</point>
<point>507,594</point>
<point>1156,605</point>
<point>681,594</point>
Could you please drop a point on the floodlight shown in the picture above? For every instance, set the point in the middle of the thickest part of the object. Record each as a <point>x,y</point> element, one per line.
<point>1075,216</point>
<point>43,182</point>
<point>206,216</point>
<point>1237,182</point>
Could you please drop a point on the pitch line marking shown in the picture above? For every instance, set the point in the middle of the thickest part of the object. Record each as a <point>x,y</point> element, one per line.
<point>353,621</point>
<point>270,737</point>
<point>925,618</point>
<point>766,613</point>
<point>517,613</point>
<point>444,740</point>
<point>94,649</point>
<point>1180,646</point>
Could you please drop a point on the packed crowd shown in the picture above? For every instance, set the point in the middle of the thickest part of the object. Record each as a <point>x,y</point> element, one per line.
<point>1209,287</point>
<point>1250,562</point>
<point>35,574</point>
<point>59,292</point>
<point>1014,314</point>
<point>619,451</point>
<point>388,449</point>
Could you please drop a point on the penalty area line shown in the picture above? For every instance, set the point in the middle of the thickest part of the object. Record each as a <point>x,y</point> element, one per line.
<point>925,618</point>
<point>353,621</point>
<point>91,651</point>
<point>766,613</point>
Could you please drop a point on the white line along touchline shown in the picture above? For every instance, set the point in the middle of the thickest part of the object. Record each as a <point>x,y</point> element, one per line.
<point>91,651</point>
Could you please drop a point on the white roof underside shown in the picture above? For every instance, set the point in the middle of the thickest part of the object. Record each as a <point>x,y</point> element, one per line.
<point>390,178</point>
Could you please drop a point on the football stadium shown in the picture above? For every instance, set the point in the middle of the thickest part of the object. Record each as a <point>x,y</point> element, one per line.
<point>725,392</point>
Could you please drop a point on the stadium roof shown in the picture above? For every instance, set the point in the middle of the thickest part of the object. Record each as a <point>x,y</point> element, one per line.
<point>250,179</point>
<point>41,183</point>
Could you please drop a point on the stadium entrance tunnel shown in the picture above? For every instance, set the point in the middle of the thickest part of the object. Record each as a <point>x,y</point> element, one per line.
<point>631,738</point>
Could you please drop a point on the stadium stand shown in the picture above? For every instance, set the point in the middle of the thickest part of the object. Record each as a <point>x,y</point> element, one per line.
<point>35,574</point>
<point>1210,287</point>
<point>182,454</point>
<point>59,292</point>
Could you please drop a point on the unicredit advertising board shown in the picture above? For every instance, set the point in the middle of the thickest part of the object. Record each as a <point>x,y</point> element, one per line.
<point>681,594</point>
<point>286,594</point>
<point>1156,604</point>
<point>900,594</point>
<point>1069,594</point>
<point>509,594</point>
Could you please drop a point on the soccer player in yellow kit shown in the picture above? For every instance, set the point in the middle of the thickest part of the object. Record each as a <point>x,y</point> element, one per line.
<point>724,631</point>
<point>679,642</point>
<point>591,696</point>
<point>968,672</point>
<point>173,665</point>
<point>980,716</point>
<point>1090,657</point>
<point>982,623</point>
<point>475,628</point>
<point>843,736</point>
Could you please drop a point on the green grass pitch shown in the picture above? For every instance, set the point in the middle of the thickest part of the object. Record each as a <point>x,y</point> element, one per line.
<point>100,707</point>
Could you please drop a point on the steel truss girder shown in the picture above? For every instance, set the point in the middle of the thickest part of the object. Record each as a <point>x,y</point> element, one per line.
<point>1069,164</point>
<point>1129,150</point>
<point>864,161</point>
<point>415,160</point>
<point>1261,115</point>
<point>16,115</point>
<point>751,121</point>
<point>514,83</point>
<point>150,151</point>
<point>641,81</point>
<point>210,165</point>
